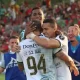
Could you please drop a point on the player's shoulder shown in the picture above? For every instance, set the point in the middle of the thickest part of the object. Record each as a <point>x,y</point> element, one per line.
<point>62,37</point>
<point>6,53</point>
<point>41,35</point>
<point>25,41</point>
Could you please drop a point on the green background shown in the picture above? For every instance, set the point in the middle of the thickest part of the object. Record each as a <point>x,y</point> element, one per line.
<point>2,77</point>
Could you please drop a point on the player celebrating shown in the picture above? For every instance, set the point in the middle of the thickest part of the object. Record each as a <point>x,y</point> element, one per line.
<point>49,29</point>
<point>38,61</point>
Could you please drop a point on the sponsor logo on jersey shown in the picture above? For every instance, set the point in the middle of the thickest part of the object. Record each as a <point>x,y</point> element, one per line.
<point>30,46</point>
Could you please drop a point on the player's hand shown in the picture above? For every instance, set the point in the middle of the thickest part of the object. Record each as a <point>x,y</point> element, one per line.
<point>28,30</point>
<point>16,48</point>
<point>76,30</point>
<point>75,70</point>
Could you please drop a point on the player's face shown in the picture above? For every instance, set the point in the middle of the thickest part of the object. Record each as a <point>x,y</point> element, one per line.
<point>48,31</point>
<point>37,14</point>
<point>12,43</point>
<point>71,34</point>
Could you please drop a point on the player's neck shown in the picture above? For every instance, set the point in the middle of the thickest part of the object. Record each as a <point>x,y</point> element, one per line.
<point>74,43</point>
<point>37,33</point>
<point>53,36</point>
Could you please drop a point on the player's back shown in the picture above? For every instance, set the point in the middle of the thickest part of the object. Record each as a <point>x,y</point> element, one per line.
<point>38,61</point>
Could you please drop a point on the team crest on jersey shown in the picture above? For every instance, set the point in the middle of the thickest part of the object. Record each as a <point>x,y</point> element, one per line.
<point>61,37</point>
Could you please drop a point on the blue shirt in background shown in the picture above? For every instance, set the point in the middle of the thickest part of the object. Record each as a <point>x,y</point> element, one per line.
<point>9,62</point>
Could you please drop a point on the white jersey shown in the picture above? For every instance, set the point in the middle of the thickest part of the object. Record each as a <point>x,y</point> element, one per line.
<point>63,72</point>
<point>38,61</point>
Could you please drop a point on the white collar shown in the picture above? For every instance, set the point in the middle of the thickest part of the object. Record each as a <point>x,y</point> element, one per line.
<point>11,52</point>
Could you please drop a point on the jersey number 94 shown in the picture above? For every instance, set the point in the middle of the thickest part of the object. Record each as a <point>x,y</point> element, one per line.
<point>40,66</point>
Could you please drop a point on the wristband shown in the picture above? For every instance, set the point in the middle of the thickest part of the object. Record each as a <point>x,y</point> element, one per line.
<point>32,35</point>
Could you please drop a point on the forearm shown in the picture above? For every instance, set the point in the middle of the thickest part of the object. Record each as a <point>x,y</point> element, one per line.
<point>42,42</point>
<point>67,59</point>
<point>70,62</point>
<point>47,43</point>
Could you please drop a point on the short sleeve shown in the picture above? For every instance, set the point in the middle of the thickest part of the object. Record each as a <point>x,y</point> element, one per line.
<point>2,64</point>
<point>56,50</point>
<point>19,59</point>
<point>19,56</point>
<point>62,39</point>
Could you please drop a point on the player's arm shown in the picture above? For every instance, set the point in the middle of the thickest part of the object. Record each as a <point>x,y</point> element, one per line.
<point>68,60</point>
<point>47,43</point>
<point>2,66</point>
<point>20,65</point>
<point>1,69</point>
<point>20,62</point>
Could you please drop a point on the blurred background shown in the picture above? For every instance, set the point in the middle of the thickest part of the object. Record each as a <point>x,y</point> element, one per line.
<point>15,15</point>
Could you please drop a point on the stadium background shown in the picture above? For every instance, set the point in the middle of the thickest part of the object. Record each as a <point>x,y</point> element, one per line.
<point>31,4</point>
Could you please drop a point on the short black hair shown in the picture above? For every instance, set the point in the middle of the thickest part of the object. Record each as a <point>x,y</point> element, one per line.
<point>35,9</point>
<point>50,20</point>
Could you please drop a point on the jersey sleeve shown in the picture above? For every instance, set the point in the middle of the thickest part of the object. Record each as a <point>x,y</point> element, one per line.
<point>19,59</point>
<point>62,39</point>
<point>2,61</point>
<point>56,50</point>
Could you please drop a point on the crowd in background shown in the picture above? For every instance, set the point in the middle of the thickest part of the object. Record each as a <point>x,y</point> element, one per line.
<point>14,18</point>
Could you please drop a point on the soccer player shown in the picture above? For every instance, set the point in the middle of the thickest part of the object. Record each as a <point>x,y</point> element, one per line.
<point>37,61</point>
<point>36,14</point>
<point>49,29</point>
<point>9,62</point>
